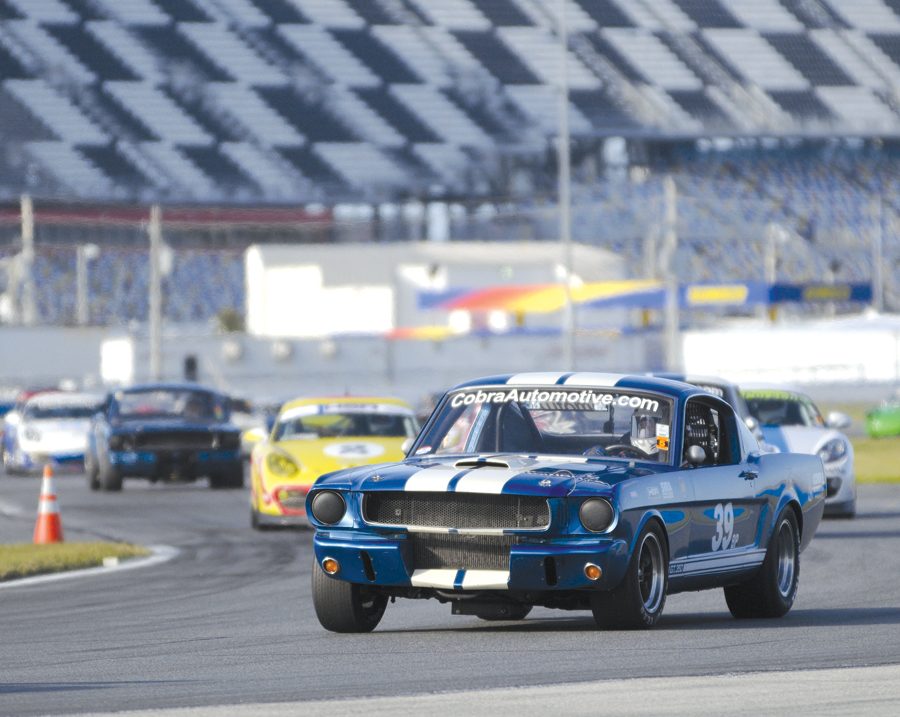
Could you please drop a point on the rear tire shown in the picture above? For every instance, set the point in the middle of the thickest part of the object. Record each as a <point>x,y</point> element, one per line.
<point>638,601</point>
<point>228,478</point>
<point>345,607</point>
<point>771,592</point>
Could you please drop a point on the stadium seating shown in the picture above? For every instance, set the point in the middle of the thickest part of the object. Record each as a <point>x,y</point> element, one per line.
<point>377,75</point>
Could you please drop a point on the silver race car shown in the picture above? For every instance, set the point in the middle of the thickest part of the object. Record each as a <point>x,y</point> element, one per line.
<point>791,422</point>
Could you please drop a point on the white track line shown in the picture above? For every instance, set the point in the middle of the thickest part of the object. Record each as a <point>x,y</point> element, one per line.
<point>159,554</point>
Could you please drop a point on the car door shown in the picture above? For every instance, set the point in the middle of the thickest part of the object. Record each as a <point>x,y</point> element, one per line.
<point>726,512</point>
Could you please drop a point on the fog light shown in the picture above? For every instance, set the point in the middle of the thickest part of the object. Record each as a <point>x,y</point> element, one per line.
<point>592,572</point>
<point>330,566</point>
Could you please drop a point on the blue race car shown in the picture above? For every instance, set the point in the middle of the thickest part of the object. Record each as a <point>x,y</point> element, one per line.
<point>175,432</point>
<point>581,491</point>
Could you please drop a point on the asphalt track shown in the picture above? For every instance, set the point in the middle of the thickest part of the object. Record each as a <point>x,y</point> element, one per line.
<point>229,622</point>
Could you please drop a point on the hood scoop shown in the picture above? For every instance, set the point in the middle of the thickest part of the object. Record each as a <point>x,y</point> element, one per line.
<point>482,463</point>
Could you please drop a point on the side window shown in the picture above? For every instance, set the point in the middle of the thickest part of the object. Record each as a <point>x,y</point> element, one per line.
<point>813,417</point>
<point>712,427</point>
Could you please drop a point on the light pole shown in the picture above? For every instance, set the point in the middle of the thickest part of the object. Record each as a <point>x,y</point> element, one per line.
<point>155,235</point>
<point>565,199</point>
<point>84,254</point>
<point>670,275</point>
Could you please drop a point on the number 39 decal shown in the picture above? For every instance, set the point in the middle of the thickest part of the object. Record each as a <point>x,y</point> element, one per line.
<point>725,536</point>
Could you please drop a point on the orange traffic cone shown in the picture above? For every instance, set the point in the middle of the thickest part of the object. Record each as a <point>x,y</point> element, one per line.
<point>48,528</point>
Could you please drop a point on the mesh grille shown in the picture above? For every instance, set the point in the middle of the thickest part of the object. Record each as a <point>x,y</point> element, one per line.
<point>457,510</point>
<point>294,499</point>
<point>461,552</point>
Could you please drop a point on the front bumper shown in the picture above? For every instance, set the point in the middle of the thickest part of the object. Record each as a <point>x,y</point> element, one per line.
<point>840,482</point>
<point>28,461</point>
<point>556,564</point>
<point>187,464</point>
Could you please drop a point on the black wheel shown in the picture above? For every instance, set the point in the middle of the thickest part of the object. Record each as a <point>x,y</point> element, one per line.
<point>257,524</point>
<point>638,601</point>
<point>513,612</point>
<point>771,592</point>
<point>109,478</point>
<point>345,607</point>
<point>230,477</point>
<point>90,470</point>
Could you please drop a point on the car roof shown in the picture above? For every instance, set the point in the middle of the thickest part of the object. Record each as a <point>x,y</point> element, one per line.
<point>168,386</point>
<point>587,379</point>
<point>748,389</point>
<point>63,398</point>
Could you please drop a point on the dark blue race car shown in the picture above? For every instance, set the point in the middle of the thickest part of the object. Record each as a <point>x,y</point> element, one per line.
<point>581,491</point>
<point>175,432</point>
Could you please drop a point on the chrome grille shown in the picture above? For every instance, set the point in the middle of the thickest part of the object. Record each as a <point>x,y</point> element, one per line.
<point>457,510</point>
<point>461,552</point>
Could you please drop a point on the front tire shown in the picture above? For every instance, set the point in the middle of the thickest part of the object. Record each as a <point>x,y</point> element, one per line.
<point>90,470</point>
<point>771,592</point>
<point>109,478</point>
<point>345,607</point>
<point>638,601</point>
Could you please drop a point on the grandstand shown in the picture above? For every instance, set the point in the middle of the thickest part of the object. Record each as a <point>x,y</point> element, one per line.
<point>373,101</point>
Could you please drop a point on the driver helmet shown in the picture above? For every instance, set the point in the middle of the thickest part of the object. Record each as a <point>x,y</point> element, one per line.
<point>643,432</point>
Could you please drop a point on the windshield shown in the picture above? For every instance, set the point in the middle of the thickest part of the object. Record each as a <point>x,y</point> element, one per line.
<point>34,412</point>
<point>171,403</point>
<point>782,408</point>
<point>552,421</point>
<point>338,421</point>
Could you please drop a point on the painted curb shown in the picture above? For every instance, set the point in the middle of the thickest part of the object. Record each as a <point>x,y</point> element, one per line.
<point>159,554</point>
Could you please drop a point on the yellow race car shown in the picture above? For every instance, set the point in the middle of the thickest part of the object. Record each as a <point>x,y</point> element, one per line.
<point>314,436</point>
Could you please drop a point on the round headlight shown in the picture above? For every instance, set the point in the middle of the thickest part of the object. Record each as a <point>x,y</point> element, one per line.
<point>596,515</point>
<point>328,507</point>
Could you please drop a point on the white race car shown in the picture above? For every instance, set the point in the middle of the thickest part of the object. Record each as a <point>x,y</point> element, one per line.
<point>52,429</point>
<point>791,422</point>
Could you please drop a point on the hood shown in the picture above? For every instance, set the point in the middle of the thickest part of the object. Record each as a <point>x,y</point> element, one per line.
<point>552,476</point>
<point>799,439</point>
<point>55,433</point>
<point>324,455</point>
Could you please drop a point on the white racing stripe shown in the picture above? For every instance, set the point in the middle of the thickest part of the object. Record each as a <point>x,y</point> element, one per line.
<point>434,479</point>
<point>486,480</point>
<point>706,563</point>
<point>486,580</point>
<point>589,378</point>
<point>542,378</point>
<point>433,578</point>
<point>472,579</point>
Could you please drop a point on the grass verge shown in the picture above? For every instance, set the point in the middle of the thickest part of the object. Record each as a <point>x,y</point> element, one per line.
<point>23,559</point>
<point>877,460</point>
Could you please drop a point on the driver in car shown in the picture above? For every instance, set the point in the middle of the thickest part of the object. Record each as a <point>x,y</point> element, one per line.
<point>643,433</point>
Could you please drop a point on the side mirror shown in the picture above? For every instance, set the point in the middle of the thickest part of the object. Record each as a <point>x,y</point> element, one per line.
<point>406,445</point>
<point>696,456</point>
<point>838,420</point>
<point>751,423</point>
<point>12,418</point>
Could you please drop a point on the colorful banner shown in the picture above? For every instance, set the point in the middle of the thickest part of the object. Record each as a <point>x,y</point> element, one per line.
<point>636,294</point>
